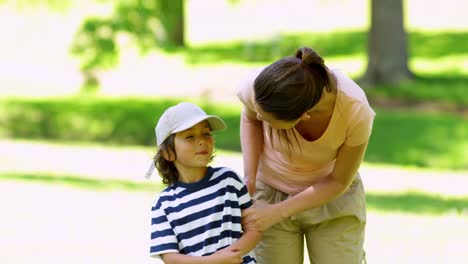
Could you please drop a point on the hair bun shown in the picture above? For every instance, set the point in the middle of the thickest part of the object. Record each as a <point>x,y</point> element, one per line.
<point>308,56</point>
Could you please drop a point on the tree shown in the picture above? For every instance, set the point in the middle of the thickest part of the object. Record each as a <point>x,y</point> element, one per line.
<point>149,23</point>
<point>387,45</point>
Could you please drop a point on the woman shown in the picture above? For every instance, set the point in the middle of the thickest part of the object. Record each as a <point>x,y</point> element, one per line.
<point>304,132</point>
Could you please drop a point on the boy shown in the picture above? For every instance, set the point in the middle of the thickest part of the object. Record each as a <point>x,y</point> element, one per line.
<point>197,218</point>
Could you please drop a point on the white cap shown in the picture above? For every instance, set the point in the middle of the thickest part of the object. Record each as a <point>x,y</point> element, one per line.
<point>179,118</point>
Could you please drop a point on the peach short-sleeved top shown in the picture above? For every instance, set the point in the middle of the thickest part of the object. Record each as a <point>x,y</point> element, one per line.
<point>292,170</point>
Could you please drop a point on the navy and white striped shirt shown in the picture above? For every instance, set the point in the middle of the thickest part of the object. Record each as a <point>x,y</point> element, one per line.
<point>200,218</point>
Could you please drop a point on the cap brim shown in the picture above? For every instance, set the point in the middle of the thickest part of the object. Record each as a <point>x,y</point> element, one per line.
<point>215,122</point>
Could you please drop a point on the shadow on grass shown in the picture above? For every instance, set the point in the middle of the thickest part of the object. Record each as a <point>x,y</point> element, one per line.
<point>416,203</point>
<point>409,202</point>
<point>86,183</point>
<point>447,91</point>
<point>266,51</point>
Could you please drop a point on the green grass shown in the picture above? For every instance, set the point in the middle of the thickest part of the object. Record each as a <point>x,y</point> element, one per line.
<point>402,138</point>
<point>416,203</point>
<point>431,45</point>
<point>447,91</point>
<point>418,139</point>
<point>419,203</point>
<point>93,184</point>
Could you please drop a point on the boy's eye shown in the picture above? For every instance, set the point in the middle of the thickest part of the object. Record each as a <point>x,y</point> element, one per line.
<point>189,137</point>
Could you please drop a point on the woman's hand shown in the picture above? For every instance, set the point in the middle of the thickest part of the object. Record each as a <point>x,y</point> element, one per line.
<point>229,255</point>
<point>262,216</point>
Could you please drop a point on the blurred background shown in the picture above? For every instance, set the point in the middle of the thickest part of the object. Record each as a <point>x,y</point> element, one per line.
<point>83,83</point>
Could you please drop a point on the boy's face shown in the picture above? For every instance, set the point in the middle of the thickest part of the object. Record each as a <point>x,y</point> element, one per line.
<point>194,146</point>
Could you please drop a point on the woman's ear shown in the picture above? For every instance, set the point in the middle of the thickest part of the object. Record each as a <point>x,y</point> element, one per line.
<point>168,155</point>
<point>304,117</point>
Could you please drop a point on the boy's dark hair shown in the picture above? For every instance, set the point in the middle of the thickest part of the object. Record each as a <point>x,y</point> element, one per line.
<point>166,168</point>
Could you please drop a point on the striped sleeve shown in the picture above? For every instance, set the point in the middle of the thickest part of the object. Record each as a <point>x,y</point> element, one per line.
<point>163,239</point>
<point>245,201</point>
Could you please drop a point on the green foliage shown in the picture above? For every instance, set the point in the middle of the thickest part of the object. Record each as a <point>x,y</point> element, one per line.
<point>146,22</point>
<point>95,43</point>
<point>53,5</point>
<point>399,137</point>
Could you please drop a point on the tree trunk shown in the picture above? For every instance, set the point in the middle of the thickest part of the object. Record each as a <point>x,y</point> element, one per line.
<point>387,44</point>
<point>172,19</point>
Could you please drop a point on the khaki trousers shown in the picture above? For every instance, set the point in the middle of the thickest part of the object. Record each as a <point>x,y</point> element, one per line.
<point>334,232</point>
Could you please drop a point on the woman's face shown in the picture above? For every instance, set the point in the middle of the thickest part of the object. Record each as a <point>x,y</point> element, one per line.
<point>272,121</point>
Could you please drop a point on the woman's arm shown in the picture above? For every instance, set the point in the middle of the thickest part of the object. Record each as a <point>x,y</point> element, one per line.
<point>347,164</point>
<point>251,136</point>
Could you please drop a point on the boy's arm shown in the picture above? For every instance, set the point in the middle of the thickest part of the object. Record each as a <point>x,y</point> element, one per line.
<point>248,240</point>
<point>231,254</point>
<point>225,256</point>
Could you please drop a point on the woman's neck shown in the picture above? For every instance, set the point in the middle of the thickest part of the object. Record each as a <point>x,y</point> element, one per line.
<point>325,105</point>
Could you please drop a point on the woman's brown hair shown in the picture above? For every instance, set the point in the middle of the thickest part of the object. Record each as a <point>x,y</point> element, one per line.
<point>291,86</point>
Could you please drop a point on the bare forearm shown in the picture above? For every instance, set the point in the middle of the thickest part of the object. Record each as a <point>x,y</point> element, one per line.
<point>347,164</point>
<point>179,258</point>
<point>175,258</point>
<point>248,241</point>
<point>316,195</point>
<point>252,144</point>
<point>241,247</point>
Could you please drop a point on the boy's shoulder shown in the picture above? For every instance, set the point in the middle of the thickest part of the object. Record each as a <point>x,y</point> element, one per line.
<point>164,195</point>
<point>224,172</point>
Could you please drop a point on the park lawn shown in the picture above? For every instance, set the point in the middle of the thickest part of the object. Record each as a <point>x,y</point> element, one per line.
<point>401,137</point>
<point>101,190</point>
<point>81,196</point>
<point>67,218</point>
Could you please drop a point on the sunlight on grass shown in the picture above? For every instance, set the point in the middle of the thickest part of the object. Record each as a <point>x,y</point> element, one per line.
<point>93,184</point>
<point>449,65</point>
<point>413,202</point>
<point>416,202</point>
<point>405,238</point>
